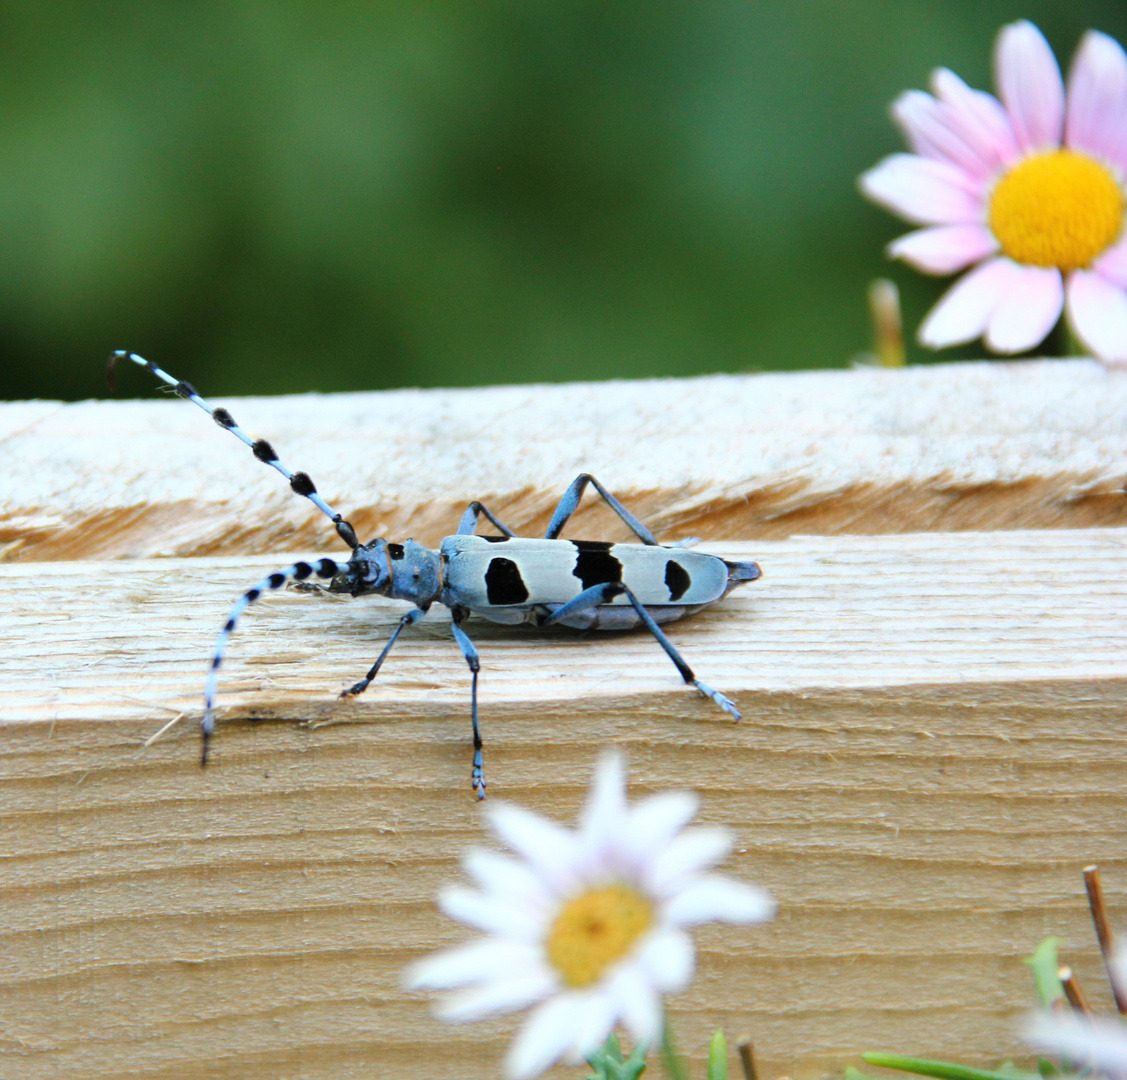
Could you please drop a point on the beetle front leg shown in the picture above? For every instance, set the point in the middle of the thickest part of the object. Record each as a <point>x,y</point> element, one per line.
<point>411,617</point>
<point>470,653</point>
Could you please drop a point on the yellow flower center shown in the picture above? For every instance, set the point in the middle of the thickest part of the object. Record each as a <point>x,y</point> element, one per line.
<point>1057,209</point>
<point>594,929</point>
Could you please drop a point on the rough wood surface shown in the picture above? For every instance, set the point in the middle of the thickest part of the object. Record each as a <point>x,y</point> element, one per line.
<point>933,746</point>
<point>1040,444</point>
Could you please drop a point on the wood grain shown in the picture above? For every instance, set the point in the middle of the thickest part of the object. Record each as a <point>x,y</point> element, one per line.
<point>1036,444</point>
<point>933,747</point>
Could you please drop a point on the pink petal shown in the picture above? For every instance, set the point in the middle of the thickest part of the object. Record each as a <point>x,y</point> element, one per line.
<point>923,190</point>
<point>1097,95</point>
<point>1030,85</point>
<point>945,248</point>
<point>964,311</point>
<point>1097,310</point>
<point>927,127</point>
<point>1112,264</point>
<point>1029,311</point>
<point>978,117</point>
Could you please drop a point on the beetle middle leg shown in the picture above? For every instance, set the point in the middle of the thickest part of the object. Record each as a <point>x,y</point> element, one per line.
<point>570,503</point>
<point>468,525</point>
<point>603,594</point>
<point>458,614</point>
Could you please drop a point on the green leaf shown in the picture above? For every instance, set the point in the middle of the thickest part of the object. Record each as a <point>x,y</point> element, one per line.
<point>609,1063</point>
<point>718,1057</point>
<point>1044,964</point>
<point>943,1070</point>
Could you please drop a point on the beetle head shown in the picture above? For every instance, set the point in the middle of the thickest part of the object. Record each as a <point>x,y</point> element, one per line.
<point>366,572</point>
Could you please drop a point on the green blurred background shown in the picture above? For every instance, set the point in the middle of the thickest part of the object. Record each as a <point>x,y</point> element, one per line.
<point>268,197</point>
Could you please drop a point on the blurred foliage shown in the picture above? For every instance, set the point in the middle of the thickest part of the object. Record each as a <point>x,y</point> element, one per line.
<point>284,196</point>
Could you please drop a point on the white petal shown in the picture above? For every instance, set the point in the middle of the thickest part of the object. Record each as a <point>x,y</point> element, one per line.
<point>594,1021</point>
<point>1098,1042</point>
<point>944,249</point>
<point>716,898</point>
<point>693,851</point>
<point>1112,264</point>
<point>1097,310</point>
<point>544,1038</point>
<point>553,851</point>
<point>476,961</point>
<point>978,117</point>
<point>669,958</point>
<point>922,190</point>
<point>1030,85</point>
<point>1097,94</point>
<point>604,815</point>
<point>654,821</point>
<point>638,1003</point>
<point>490,914</point>
<point>501,995</point>
<point>509,878</point>
<point>965,309</point>
<point>1028,312</point>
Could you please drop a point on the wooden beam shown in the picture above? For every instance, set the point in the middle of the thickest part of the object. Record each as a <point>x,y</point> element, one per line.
<point>945,447</point>
<point>933,746</point>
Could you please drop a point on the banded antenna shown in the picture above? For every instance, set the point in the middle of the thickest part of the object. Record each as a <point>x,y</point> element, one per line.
<point>300,482</point>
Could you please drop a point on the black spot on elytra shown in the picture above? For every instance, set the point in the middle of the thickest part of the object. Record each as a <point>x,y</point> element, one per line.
<point>395,551</point>
<point>594,564</point>
<point>676,579</point>
<point>503,583</point>
<point>496,539</point>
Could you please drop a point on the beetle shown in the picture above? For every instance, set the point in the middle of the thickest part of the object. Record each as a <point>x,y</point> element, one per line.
<point>582,584</point>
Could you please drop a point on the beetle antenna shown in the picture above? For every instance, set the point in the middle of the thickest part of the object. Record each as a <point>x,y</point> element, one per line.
<point>299,481</point>
<point>325,568</point>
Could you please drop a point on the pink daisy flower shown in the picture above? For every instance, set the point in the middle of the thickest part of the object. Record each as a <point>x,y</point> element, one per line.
<point>1029,191</point>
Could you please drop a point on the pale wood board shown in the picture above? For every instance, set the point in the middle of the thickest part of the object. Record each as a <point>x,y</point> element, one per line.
<point>1035,444</point>
<point>933,746</point>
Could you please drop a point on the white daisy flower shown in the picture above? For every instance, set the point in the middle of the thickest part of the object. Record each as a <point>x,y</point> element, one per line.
<point>1084,1041</point>
<point>1028,190</point>
<point>589,925</point>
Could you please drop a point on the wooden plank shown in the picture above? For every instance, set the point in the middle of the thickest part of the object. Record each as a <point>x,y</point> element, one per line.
<point>933,746</point>
<point>1039,444</point>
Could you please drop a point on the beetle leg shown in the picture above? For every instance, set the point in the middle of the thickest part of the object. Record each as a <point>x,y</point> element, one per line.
<point>468,525</point>
<point>603,594</point>
<point>470,653</point>
<point>412,616</point>
<point>570,502</point>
